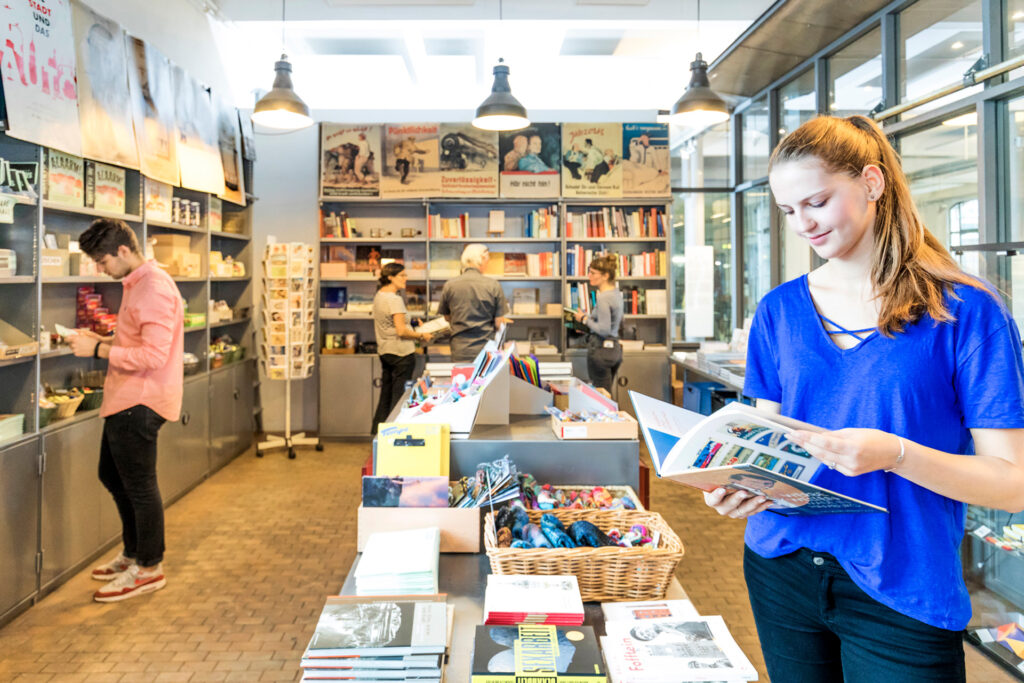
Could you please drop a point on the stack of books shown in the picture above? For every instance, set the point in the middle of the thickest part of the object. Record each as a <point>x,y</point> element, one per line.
<point>526,599</point>
<point>11,426</point>
<point>536,652</point>
<point>666,640</point>
<point>399,563</point>
<point>399,638</point>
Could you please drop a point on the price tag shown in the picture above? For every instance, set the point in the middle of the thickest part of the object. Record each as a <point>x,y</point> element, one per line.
<point>574,432</point>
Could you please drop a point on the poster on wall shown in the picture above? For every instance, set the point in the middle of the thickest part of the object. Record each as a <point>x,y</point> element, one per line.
<point>38,67</point>
<point>229,142</point>
<point>199,160</point>
<point>645,163</point>
<point>411,161</point>
<point>350,160</point>
<point>592,160</point>
<point>530,160</point>
<point>469,161</point>
<point>149,82</point>
<point>104,103</point>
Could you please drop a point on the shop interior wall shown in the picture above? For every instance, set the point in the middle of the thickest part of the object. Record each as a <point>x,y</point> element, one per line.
<point>285,181</point>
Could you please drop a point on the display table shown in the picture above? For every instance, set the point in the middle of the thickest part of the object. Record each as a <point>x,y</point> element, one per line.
<point>464,578</point>
<point>692,371</point>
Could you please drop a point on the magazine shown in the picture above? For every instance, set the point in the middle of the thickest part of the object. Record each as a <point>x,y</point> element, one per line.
<point>536,652</point>
<point>661,650</point>
<point>382,626</point>
<point>739,447</point>
<point>648,609</point>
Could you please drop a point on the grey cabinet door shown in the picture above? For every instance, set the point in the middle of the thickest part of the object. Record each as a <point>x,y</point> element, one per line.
<point>182,458</point>
<point>78,514</point>
<point>19,522</point>
<point>645,373</point>
<point>223,437</point>
<point>346,395</point>
<point>245,376</point>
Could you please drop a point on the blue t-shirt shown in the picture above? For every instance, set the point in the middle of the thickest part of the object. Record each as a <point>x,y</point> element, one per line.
<point>930,384</point>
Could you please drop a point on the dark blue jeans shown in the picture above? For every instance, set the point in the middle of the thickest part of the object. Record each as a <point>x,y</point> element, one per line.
<point>817,626</point>
<point>128,470</point>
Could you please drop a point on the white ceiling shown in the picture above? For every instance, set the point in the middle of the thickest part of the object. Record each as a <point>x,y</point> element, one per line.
<point>401,57</point>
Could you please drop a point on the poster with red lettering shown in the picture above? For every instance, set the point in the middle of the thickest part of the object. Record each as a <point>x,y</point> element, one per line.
<point>592,160</point>
<point>38,67</point>
<point>104,104</point>
<point>411,163</point>
<point>469,161</point>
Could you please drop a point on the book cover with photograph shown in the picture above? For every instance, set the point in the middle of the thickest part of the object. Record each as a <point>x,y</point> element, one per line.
<point>381,626</point>
<point>468,161</point>
<point>411,161</point>
<point>350,160</point>
<point>529,161</point>
<point>645,163</point>
<point>405,492</point>
<point>591,160</point>
<point>739,447</point>
<point>509,654</point>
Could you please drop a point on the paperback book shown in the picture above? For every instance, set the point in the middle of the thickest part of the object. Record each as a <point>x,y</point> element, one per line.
<point>515,599</point>
<point>739,447</point>
<point>536,652</point>
<point>353,626</point>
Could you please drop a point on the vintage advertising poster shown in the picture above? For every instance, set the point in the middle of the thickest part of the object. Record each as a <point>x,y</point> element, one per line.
<point>350,160</point>
<point>196,124</point>
<point>411,161</point>
<point>592,160</point>
<point>38,66</point>
<point>469,161</point>
<point>104,103</point>
<point>158,200</point>
<point>104,187</point>
<point>229,142</point>
<point>529,161</point>
<point>64,179</point>
<point>149,82</point>
<point>645,163</point>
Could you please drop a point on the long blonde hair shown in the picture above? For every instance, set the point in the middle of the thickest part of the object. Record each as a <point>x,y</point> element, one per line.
<point>911,271</point>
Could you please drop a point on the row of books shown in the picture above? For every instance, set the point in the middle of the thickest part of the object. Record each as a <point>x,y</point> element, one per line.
<point>636,300</point>
<point>616,222</point>
<point>645,264</point>
<point>336,225</point>
<point>514,264</point>
<point>341,299</point>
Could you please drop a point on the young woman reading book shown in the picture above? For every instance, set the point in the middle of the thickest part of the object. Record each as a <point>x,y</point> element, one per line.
<point>915,365</point>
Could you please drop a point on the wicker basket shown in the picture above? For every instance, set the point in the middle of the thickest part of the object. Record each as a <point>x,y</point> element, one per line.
<point>604,574</point>
<point>619,491</point>
<point>68,408</point>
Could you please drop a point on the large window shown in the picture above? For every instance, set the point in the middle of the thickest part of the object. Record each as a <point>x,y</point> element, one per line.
<point>703,218</point>
<point>797,102</point>
<point>939,41</point>
<point>1015,181</point>
<point>701,159</point>
<point>756,147</point>
<point>757,242</point>
<point>941,164</point>
<point>795,253</point>
<point>855,76</point>
<point>1014,32</point>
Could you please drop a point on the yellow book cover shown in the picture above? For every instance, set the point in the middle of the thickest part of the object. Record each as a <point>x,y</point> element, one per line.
<point>412,450</point>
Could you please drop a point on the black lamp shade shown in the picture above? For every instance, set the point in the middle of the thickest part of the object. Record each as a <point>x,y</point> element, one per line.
<point>501,111</point>
<point>699,106</point>
<point>281,108</point>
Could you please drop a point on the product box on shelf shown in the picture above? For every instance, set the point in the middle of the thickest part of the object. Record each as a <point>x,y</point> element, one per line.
<point>14,343</point>
<point>173,252</point>
<point>460,527</point>
<point>54,262</point>
<point>627,428</point>
<point>333,270</point>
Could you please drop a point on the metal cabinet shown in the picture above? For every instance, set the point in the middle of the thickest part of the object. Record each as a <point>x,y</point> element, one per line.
<point>231,406</point>
<point>349,391</point>
<point>78,514</point>
<point>643,372</point>
<point>182,459</point>
<point>245,403</point>
<point>19,522</point>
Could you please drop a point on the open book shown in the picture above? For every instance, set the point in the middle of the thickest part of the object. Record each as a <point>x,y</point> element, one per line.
<point>742,448</point>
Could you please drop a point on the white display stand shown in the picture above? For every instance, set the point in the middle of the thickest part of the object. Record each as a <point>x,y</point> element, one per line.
<point>289,310</point>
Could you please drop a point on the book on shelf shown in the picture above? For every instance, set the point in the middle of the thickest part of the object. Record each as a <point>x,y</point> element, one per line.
<point>740,447</point>
<point>440,228</point>
<point>541,223</point>
<point>511,599</point>
<point>525,301</point>
<point>335,297</point>
<point>615,222</point>
<point>392,256</point>
<point>674,649</point>
<point>495,264</point>
<point>657,302</point>
<point>367,259</point>
<point>359,302</point>
<point>496,222</point>
<point>515,264</point>
<point>386,626</point>
<point>536,652</point>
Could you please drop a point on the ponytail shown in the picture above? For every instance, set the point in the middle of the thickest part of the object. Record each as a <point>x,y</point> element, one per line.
<point>911,271</point>
<point>387,272</point>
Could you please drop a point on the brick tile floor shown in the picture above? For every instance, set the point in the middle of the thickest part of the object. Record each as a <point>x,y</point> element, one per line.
<point>251,554</point>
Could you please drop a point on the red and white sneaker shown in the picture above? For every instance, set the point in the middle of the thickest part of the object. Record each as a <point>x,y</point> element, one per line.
<point>130,583</point>
<point>106,572</point>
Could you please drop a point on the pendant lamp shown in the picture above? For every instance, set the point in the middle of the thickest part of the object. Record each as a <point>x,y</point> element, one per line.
<point>700,106</point>
<point>501,111</point>
<point>281,109</point>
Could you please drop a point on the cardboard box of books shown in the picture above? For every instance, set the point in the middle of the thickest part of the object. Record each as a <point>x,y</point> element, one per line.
<point>14,343</point>
<point>623,428</point>
<point>460,527</point>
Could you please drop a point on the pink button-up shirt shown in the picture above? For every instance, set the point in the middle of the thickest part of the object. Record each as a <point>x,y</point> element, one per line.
<point>146,359</point>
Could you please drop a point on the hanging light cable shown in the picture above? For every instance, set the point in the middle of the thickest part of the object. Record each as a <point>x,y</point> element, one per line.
<point>501,111</point>
<point>281,109</point>
<point>700,106</point>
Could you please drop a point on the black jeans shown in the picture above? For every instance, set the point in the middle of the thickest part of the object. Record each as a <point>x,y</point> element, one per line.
<point>395,372</point>
<point>603,363</point>
<point>817,626</point>
<point>128,470</point>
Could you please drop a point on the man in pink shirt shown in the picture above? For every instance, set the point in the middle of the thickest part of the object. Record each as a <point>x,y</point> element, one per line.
<point>143,390</point>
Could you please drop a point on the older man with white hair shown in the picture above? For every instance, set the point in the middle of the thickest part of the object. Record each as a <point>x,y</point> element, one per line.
<point>473,305</point>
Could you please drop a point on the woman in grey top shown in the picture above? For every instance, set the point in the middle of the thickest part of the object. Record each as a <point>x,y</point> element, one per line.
<point>604,353</point>
<point>395,340</point>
